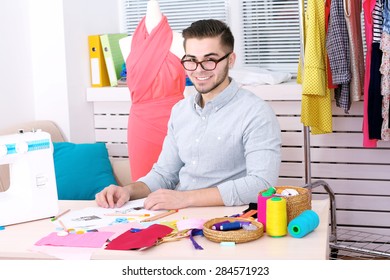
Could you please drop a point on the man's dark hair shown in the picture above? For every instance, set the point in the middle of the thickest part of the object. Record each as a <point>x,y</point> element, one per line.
<point>210,28</point>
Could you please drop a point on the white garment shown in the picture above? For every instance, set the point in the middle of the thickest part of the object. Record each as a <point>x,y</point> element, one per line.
<point>257,76</point>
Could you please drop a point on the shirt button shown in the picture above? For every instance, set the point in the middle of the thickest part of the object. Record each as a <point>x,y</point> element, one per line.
<point>219,137</point>
<point>196,140</point>
<point>193,180</point>
<point>203,118</point>
<point>193,162</point>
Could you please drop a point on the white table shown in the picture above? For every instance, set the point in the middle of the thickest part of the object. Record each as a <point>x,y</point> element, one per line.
<point>17,240</point>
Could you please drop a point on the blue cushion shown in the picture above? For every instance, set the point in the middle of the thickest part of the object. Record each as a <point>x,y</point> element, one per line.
<point>82,170</point>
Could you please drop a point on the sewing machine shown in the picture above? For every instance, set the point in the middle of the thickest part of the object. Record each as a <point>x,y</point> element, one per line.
<point>32,193</point>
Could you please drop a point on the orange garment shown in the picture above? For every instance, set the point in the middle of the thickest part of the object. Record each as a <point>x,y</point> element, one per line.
<point>156,80</point>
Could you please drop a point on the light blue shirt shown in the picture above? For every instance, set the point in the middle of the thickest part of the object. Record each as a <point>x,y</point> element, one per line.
<point>233,143</point>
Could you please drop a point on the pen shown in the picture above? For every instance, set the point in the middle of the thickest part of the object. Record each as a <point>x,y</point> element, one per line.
<point>161,215</point>
<point>63,226</point>
<point>248,214</point>
<point>60,215</point>
<point>129,215</point>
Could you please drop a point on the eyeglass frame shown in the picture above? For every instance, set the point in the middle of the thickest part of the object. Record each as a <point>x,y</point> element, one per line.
<point>216,61</point>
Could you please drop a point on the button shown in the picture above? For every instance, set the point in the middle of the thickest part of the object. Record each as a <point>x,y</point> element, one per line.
<point>203,118</point>
<point>196,140</point>
<point>194,162</point>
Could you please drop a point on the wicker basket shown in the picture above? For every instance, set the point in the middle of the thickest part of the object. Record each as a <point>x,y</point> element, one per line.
<point>237,236</point>
<point>298,203</point>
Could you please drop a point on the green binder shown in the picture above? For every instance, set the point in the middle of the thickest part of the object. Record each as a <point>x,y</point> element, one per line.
<point>113,56</point>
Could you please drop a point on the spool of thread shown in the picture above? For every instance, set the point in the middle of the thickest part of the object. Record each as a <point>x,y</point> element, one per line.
<point>262,208</point>
<point>303,224</point>
<point>217,226</point>
<point>289,192</point>
<point>230,226</point>
<point>276,217</point>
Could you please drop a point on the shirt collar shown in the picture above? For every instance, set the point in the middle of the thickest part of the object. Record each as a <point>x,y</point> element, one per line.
<point>221,99</point>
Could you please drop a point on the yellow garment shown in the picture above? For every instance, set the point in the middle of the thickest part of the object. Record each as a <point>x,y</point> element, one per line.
<point>316,110</point>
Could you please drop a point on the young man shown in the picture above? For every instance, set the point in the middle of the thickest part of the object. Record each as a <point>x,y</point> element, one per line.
<point>223,144</point>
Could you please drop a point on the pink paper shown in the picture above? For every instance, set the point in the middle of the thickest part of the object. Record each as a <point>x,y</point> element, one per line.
<point>190,224</point>
<point>87,239</point>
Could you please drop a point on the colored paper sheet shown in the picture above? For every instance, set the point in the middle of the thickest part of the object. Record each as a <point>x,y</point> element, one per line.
<point>190,224</point>
<point>138,240</point>
<point>88,239</point>
<point>65,253</point>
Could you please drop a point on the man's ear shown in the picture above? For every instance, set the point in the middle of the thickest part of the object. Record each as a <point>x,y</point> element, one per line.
<point>232,60</point>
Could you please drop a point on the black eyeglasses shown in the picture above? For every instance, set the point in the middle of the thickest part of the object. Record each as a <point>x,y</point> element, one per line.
<point>208,65</point>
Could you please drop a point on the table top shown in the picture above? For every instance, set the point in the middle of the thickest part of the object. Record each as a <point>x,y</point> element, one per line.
<point>18,240</point>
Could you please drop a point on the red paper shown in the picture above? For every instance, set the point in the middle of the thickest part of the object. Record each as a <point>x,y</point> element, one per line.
<point>137,240</point>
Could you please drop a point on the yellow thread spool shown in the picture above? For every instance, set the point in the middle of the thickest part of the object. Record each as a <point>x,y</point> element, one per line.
<point>276,213</point>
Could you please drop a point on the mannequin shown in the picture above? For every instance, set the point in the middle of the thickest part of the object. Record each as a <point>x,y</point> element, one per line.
<point>156,80</point>
<point>152,18</point>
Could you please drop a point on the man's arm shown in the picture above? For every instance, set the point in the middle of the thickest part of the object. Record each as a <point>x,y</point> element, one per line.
<point>170,199</point>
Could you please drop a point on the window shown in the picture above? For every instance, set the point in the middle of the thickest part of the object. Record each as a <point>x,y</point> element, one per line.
<point>266,31</point>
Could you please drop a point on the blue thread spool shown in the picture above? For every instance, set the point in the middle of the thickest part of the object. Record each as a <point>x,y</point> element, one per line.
<point>231,226</point>
<point>303,224</point>
<point>217,226</point>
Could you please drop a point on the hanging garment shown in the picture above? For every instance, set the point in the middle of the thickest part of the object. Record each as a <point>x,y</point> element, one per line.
<point>368,7</point>
<point>316,110</point>
<point>386,16</point>
<point>337,46</point>
<point>385,71</point>
<point>331,85</point>
<point>374,112</point>
<point>352,11</point>
<point>156,80</point>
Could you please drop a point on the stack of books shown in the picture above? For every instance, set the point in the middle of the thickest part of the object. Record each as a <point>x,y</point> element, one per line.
<point>107,65</point>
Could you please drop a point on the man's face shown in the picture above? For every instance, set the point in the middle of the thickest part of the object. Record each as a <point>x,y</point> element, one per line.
<point>210,82</point>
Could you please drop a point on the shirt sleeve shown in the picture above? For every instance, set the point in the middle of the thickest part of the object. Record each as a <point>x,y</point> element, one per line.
<point>262,144</point>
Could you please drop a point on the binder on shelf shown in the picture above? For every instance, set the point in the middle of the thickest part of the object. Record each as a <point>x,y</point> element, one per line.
<point>113,56</point>
<point>97,63</point>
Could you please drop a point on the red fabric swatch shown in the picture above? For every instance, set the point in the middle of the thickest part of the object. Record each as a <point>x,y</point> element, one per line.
<point>137,240</point>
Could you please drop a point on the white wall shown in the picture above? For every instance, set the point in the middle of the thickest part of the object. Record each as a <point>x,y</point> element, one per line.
<point>44,70</point>
<point>16,98</point>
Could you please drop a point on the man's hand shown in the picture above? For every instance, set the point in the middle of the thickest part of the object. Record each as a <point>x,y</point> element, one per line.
<point>166,199</point>
<point>112,196</point>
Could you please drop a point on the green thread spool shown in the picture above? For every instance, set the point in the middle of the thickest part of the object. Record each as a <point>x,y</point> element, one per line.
<point>276,217</point>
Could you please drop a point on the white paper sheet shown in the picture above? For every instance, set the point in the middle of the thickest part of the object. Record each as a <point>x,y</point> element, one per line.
<point>91,218</point>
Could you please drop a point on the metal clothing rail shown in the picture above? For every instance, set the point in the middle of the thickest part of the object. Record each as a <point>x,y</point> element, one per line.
<point>306,129</point>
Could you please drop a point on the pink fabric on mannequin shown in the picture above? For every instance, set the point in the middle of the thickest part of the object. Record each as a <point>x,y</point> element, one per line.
<point>368,7</point>
<point>156,80</point>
